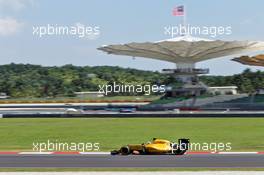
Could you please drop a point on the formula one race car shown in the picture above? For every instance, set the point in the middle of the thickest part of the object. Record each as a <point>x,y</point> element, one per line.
<point>157,146</point>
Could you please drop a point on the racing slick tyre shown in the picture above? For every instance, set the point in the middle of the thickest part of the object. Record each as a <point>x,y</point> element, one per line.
<point>177,150</point>
<point>125,150</point>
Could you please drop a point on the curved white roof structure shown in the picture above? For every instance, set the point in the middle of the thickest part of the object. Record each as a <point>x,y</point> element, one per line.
<point>257,60</point>
<point>184,49</point>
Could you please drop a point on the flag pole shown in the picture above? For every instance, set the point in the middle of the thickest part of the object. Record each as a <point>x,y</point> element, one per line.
<point>184,18</point>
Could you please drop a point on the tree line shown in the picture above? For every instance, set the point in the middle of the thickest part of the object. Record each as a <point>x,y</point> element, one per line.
<point>26,80</point>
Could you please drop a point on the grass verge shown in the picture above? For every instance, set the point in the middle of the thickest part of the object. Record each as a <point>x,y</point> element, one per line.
<point>245,134</point>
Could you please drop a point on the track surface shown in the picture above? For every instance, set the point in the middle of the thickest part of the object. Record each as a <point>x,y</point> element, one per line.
<point>105,161</point>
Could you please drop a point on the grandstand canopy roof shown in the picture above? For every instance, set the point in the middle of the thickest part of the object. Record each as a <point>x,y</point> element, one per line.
<point>184,49</point>
<point>252,61</point>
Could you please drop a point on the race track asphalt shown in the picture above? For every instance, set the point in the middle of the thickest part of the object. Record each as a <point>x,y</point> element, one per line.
<point>150,161</point>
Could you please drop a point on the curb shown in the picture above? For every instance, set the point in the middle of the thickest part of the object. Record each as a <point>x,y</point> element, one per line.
<point>108,153</point>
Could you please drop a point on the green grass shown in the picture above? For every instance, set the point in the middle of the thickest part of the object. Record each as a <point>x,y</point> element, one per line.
<point>245,134</point>
<point>106,98</point>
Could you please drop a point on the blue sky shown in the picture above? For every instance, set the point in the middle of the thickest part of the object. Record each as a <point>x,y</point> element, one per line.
<point>120,21</point>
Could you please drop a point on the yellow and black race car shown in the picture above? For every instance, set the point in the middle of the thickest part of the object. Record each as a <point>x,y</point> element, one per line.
<point>157,146</point>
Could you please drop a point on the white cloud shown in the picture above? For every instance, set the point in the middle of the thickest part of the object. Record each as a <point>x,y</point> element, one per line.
<point>15,5</point>
<point>9,26</point>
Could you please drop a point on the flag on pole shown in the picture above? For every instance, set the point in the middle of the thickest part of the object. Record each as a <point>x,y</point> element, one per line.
<point>178,11</point>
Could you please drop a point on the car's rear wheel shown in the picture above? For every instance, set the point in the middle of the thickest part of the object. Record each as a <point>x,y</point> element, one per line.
<point>177,150</point>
